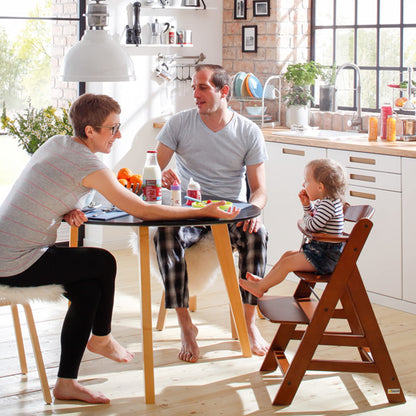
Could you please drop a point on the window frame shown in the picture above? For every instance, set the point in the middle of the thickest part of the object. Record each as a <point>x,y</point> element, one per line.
<point>401,69</point>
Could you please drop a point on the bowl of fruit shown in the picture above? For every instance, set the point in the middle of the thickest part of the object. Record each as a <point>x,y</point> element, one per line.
<point>200,204</point>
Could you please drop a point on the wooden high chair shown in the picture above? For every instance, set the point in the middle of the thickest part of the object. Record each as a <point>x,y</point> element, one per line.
<point>343,297</point>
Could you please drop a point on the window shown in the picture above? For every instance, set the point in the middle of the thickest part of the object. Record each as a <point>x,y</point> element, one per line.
<point>34,35</point>
<point>377,35</point>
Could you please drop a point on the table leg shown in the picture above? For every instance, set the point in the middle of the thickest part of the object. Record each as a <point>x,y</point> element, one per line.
<point>225,257</point>
<point>146,302</point>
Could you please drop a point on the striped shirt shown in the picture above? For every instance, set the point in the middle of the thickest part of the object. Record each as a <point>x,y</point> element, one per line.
<point>49,187</point>
<point>325,216</point>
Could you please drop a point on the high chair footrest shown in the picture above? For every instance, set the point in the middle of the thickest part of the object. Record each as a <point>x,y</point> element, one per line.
<point>287,309</point>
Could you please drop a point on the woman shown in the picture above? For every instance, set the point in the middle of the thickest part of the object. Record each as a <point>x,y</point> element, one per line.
<point>50,189</point>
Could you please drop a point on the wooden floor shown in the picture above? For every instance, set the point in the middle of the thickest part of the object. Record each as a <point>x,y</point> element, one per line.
<point>221,383</point>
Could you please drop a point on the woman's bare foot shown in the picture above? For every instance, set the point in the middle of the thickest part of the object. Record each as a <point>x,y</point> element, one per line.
<point>189,350</point>
<point>108,347</point>
<point>252,285</point>
<point>258,344</point>
<point>70,389</point>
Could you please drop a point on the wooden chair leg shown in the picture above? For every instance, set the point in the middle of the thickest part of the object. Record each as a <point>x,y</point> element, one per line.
<point>38,354</point>
<point>234,334</point>
<point>192,303</point>
<point>19,339</point>
<point>162,314</point>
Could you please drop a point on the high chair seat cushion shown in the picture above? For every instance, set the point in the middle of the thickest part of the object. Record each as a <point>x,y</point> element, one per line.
<point>26,294</point>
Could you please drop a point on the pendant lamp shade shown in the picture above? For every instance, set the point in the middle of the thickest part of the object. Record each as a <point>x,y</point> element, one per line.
<point>97,58</point>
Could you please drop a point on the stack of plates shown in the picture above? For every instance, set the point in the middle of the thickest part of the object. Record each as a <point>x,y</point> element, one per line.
<point>247,85</point>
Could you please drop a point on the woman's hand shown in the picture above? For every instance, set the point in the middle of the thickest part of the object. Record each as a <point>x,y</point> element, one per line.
<point>75,218</point>
<point>169,177</point>
<point>213,210</point>
<point>304,198</point>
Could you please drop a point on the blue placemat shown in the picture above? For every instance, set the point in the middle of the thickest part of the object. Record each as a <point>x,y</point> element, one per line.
<point>99,214</point>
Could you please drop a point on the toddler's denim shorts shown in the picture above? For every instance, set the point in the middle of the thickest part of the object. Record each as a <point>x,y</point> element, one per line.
<point>323,256</point>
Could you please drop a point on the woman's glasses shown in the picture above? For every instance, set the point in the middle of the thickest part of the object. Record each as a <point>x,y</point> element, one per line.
<point>114,129</point>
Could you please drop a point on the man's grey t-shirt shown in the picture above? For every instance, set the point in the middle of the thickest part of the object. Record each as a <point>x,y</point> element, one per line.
<point>216,160</point>
<point>49,187</point>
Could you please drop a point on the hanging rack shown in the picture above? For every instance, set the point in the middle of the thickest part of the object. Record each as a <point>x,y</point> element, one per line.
<point>170,58</point>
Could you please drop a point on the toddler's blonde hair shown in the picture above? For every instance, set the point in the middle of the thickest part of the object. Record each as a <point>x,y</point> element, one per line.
<point>332,175</point>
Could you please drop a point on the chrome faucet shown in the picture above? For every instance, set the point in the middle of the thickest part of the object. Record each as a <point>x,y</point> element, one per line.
<point>355,122</point>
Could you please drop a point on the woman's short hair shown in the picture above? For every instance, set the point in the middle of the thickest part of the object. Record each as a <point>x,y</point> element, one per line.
<point>91,110</point>
<point>220,77</point>
<point>331,174</point>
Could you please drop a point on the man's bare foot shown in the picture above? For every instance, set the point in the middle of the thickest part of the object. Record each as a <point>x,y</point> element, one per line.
<point>108,347</point>
<point>258,344</point>
<point>189,350</point>
<point>252,285</point>
<point>70,389</point>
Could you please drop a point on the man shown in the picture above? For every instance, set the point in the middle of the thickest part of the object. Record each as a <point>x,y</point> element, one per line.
<point>218,148</point>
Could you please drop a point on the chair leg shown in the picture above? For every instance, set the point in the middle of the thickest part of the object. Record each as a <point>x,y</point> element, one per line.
<point>192,303</point>
<point>19,339</point>
<point>162,314</point>
<point>234,334</point>
<point>38,354</point>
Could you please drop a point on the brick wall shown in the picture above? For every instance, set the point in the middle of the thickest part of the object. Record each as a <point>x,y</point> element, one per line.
<point>65,34</point>
<point>282,38</point>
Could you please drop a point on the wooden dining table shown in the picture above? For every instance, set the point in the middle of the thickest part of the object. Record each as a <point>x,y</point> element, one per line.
<point>225,256</point>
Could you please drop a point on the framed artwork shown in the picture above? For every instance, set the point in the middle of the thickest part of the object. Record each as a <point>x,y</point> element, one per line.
<point>261,8</point>
<point>240,9</point>
<point>249,38</point>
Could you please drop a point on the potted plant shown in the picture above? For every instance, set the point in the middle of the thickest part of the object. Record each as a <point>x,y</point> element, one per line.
<point>327,88</point>
<point>300,77</point>
<point>34,127</point>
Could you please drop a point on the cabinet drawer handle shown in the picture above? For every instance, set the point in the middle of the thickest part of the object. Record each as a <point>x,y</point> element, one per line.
<point>364,160</point>
<point>363,178</point>
<point>293,152</point>
<point>364,195</point>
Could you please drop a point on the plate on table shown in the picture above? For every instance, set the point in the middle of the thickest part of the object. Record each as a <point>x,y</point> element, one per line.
<point>201,204</point>
<point>238,82</point>
<point>254,86</point>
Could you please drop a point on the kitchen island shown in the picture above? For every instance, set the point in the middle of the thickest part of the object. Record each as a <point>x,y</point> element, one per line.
<point>381,174</point>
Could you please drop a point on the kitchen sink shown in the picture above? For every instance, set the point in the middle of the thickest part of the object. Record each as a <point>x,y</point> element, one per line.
<point>321,134</point>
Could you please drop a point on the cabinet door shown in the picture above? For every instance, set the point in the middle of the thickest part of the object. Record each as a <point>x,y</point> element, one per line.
<point>409,228</point>
<point>380,263</point>
<point>284,179</point>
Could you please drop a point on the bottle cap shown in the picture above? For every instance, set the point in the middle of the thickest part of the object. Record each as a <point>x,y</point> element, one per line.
<point>176,186</point>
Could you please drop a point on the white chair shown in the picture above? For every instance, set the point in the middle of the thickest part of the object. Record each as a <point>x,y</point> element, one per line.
<point>12,296</point>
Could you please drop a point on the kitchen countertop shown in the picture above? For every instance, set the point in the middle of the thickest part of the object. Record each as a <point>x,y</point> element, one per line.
<point>357,144</point>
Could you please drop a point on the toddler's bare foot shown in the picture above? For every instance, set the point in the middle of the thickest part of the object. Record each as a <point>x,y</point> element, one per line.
<point>189,350</point>
<point>70,389</point>
<point>108,347</point>
<point>252,287</point>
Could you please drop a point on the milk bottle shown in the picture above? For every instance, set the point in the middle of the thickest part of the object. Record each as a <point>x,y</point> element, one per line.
<point>152,179</point>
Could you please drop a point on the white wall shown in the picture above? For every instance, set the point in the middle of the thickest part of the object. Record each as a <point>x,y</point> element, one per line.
<point>149,99</point>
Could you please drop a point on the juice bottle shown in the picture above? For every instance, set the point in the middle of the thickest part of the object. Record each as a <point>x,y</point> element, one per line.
<point>386,110</point>
<point>372,129</point>
<point>152,179</point>
<point>391,129</point>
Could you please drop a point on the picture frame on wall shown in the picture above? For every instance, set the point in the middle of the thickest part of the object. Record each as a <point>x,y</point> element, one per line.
<point>261,8</point>
<point>240,9</point>
<point>249,38</point>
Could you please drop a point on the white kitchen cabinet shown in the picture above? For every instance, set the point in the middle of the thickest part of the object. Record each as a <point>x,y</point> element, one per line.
<point>376,180</point>
<point>409,228</point>
<point>284,179</point>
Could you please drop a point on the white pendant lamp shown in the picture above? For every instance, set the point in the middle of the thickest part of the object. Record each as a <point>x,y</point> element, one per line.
<point>97,57</point>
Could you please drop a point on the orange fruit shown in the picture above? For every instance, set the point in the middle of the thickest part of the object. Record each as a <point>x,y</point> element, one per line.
<point>124,173</point>
<point>124,182</point>
<point>135,180</point>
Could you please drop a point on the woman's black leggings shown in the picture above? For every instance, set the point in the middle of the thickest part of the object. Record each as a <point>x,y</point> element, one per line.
<point>88,276</point>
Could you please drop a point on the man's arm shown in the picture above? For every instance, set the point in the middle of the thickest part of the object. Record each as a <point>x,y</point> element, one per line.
<point>164,155</point>
<point>256,178</point>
